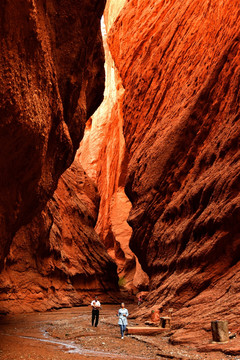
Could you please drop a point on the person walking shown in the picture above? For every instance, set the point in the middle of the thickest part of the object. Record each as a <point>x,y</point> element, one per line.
<point>95,304</point>
<point>122,321</point>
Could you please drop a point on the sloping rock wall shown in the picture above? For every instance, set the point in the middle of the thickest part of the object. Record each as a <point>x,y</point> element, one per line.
<point>58,259</point>
<point>52,80</point>
<point>179,65</point>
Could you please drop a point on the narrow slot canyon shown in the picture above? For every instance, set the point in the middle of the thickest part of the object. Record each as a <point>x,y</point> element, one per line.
<point>120,159</point>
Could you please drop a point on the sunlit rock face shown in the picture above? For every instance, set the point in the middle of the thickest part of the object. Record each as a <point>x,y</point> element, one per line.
<point>111,12</point>
<point>179,65</point>
<point>58,259</point>
<point>52,79</point>
<point>104,157</point>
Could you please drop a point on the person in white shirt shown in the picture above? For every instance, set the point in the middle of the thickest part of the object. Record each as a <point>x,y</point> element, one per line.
<point>122,321</point>
<point>95,304</point>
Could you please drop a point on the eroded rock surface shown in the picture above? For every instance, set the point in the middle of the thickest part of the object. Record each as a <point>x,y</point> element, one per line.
<point>52,79</point>
<point>179,66</point>
<point>58,259</point>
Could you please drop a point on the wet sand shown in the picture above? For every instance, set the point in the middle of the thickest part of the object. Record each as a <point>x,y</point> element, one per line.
<point>67,334</point>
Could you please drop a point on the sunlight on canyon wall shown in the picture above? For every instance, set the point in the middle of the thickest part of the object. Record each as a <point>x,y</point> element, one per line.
<point>104,157</point>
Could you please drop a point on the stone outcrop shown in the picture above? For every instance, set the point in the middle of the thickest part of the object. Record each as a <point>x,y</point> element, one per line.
<point>52,80</point>
<point>58,259</point>
<point>179,65</point>
<point>104,157</point>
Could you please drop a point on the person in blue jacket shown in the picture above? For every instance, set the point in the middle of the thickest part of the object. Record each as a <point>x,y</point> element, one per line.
<point>122,321</point>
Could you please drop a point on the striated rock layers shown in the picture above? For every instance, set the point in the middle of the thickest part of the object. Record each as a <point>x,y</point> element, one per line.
<point>105,159</point>
<point>52,79</point>
<point>180,68</point>
<point>58,259</point>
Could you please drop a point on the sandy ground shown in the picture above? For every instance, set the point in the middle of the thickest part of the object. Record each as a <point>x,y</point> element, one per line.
<point>67,334</point>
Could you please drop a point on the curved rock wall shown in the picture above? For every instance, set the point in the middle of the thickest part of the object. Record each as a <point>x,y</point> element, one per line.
<point>52,80</point>
<point>58,259</point>
<point>179,65</point>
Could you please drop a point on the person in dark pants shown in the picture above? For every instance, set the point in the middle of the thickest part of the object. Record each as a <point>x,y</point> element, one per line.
<point>95,304</point>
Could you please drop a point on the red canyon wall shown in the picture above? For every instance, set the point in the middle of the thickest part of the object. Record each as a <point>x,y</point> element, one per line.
<point>104,157</point>
<point>180,68</point>
<point>58,259</point>
<point>52,79</point>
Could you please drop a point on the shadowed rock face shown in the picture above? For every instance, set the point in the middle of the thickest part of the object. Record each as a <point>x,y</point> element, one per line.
<point>58,259</point>
<point>52,79</point>
<point>179,65</point>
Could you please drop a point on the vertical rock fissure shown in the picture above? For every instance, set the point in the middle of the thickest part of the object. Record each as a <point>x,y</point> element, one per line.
<point>104,157</point>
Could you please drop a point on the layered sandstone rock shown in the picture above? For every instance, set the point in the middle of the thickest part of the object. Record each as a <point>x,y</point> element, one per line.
<point>58,259</point>
<point>52,79</point>
<point>179,66</point>
<point>105,159</point>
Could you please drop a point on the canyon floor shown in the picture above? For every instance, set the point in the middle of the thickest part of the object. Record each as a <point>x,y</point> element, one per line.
<point>67,334</point>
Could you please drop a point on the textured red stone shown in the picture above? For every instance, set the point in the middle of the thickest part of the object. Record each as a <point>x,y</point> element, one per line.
<point>52,79</point>
<point>143,330</point>
<point>179,65</point>
<point>58,259</point>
